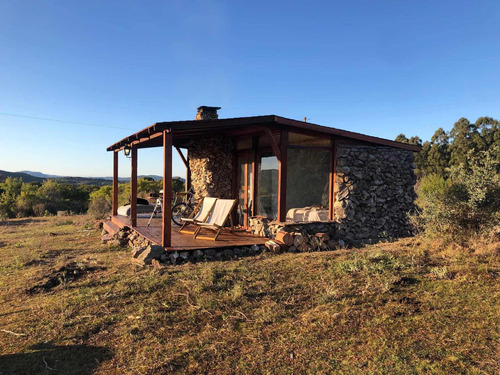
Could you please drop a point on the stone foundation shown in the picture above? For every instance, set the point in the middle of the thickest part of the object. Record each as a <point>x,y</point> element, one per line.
<point>145,253</point>
<point>211,164</point>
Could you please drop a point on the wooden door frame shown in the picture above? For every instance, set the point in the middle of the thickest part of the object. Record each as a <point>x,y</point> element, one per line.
<point>249,166</point>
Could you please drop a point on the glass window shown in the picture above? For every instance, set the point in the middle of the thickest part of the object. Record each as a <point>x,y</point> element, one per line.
<point>308,185</point>
<point>267,192</point>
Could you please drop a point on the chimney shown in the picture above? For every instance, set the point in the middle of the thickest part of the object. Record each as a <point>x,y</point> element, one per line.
<point>207,113</point>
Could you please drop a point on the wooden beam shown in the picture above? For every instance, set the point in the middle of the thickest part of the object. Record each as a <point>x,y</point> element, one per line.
<point>185,160</point>
<point>333,177</point>
<point>114,211</point>
<point>166,222</point>
<point>133,188</point>
<point>282,175</point>
<point>274,144</point>
<point>182,156</point>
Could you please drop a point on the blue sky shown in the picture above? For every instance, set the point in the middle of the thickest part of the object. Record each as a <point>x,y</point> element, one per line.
<point>375,67</point>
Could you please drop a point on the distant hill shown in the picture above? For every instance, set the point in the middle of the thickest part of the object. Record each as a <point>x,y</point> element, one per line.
<point>30,176</point>
<point>26,177</point>
<point>46,176</point>
<point>39,174</point>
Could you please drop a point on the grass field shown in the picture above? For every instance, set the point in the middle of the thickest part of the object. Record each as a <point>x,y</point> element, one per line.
<point>70,305</point>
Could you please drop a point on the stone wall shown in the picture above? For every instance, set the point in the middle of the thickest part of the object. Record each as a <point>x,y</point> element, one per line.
<point>374,192</point>
<point>211,163</point>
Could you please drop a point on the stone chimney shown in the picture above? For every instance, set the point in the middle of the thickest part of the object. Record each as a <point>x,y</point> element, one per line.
<point>207,113</point>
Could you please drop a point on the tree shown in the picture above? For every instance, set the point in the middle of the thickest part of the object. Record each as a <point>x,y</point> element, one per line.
<point>415,141</point>
<point>464,137</point>
<point>178,185</point>
<point>489,130</point>
<point>10,190</point>
<point>28,199</point>
<point>401,138</point>
<point>439,153</point>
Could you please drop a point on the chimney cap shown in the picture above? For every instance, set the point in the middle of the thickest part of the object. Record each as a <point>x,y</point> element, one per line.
<point>209,108</point>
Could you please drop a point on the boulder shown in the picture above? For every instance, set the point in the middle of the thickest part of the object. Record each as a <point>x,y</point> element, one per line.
<point>146,255</point>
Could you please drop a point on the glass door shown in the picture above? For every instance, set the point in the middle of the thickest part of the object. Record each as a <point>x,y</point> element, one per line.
<point>267,192</point>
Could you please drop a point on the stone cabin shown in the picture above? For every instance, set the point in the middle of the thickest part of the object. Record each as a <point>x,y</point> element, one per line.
<point>290,174</point>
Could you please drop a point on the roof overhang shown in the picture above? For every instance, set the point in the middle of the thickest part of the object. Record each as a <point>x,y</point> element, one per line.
<point>182,130</point>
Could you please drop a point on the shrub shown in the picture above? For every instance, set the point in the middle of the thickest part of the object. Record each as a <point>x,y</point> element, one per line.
<point>39,209</point>
<point>465,204</point>
<point>99,207</point>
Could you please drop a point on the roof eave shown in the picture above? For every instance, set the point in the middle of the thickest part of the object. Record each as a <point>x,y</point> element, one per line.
<point>156,129</point>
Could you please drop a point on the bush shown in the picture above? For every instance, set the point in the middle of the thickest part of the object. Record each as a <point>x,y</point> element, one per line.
<point>467,203</point>
<point>39,209</point>
<point>99,208</point>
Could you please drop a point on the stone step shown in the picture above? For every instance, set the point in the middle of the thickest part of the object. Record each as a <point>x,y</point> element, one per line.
<point>107,237</point>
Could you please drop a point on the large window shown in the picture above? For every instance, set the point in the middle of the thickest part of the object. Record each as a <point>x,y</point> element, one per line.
<point>267,191</point>
<point>308,180</point>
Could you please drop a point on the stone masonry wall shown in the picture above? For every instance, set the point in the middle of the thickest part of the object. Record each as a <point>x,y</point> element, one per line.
<point>374,192</point>
<point>211,162</point>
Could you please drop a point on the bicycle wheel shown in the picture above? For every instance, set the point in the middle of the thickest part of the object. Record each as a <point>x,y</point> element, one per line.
<point>181,210</point>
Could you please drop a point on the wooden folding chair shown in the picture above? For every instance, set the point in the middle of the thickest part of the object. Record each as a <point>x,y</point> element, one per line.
<point>217,219</point>
<point>199,214</point>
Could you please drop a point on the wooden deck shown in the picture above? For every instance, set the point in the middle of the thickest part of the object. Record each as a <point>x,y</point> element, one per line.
<point>181,242</point>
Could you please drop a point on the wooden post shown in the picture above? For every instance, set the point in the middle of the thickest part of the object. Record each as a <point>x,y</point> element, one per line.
<point>188,173</point>
<point>255,172</point>
<point>133,188</point>
<point>166,223</point>
<point>333,177</point>
<point>245,193</point>
<point>282,173</point>
<point>114,211</point>
<point>234,182</point>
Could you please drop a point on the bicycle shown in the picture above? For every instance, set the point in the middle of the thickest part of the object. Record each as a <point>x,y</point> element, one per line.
<point>182,209</point>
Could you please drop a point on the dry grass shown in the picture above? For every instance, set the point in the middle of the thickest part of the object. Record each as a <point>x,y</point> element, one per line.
<point>407,307</point>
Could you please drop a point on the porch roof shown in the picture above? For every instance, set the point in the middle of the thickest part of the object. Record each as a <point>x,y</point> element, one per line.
<point>182,131</point>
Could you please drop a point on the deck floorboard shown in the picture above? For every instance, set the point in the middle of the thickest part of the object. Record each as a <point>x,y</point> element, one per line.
<point>181,242</point>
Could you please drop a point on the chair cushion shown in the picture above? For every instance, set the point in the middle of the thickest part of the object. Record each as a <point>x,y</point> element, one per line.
<point>141,209</point>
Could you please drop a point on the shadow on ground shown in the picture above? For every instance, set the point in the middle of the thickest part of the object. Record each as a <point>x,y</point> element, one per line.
<point>4,223</point>
<point>52,359</point>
